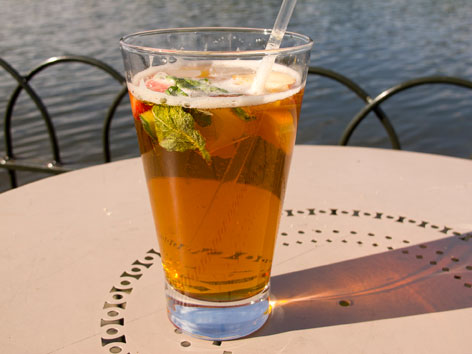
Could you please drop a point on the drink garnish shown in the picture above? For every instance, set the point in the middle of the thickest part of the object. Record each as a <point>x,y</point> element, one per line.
<point>202,117</point>
<point>175,91</point>
<point>147,121</point>
<point>174,129</point>
<point>202,85</point>
<point>157,85</point>
<point>242,114</point>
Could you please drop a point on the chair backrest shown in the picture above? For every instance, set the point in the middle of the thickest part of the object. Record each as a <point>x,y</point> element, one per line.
<point>55,165</point>
<point>372,104</point>
<point>364,96</point>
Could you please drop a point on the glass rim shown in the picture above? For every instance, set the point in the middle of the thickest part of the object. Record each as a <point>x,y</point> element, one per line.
<point>210,53</point>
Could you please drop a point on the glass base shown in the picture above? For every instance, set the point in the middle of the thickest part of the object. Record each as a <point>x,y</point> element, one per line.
<point>217,320</point>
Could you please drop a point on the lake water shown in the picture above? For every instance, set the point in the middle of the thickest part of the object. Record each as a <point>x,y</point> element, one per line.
<point>376,43</point>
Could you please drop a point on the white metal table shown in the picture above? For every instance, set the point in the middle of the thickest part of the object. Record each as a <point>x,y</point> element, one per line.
<point>374,255</point>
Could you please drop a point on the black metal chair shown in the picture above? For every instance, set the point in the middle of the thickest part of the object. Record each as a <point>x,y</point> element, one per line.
<point>55,165</point>
<point>373,104</point>
<point>364,96</point>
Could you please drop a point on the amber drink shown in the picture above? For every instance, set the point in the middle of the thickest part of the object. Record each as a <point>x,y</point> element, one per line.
<point>216,156</point>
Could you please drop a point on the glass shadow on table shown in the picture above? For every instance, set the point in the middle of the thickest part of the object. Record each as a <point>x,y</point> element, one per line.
<point>429,277</point>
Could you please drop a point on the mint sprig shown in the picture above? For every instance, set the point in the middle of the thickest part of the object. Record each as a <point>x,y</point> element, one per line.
<point>202,85</point>
<point>175,91</point>
<point>175,130</point>
<point>147,121</point>
<point>242,114</point>
<point>202,117</point>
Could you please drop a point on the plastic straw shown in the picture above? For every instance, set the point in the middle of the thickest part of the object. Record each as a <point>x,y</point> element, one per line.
<point>275,39</point>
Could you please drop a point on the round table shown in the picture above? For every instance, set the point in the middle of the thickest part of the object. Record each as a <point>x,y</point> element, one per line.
<point>374,255</point>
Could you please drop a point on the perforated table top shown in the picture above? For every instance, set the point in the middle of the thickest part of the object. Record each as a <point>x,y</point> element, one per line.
<point>374,255</point>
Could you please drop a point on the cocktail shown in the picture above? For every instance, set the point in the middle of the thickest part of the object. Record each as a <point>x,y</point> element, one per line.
<point>216,142</point>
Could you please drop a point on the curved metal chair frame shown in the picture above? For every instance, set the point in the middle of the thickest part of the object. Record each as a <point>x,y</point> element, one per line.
<point>55,165</point>
<point>374,104</point>
<point>364,96</point>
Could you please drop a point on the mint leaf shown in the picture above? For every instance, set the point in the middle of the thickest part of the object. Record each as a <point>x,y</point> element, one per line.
<point>175,130</point>
<point>242,114</point>
<point>186,83</point>
<point>147,121</point>
<point>203,118</point>
<point>175,91</point>
<point>212,89</point>
<point>202,85</point>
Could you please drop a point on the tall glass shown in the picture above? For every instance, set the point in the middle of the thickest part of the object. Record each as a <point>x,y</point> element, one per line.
<point>216,152</point>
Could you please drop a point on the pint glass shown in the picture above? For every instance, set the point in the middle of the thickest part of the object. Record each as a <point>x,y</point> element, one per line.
<point>216,153</point>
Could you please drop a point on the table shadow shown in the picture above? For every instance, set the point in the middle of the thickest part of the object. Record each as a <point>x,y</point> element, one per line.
<point>429,277</point>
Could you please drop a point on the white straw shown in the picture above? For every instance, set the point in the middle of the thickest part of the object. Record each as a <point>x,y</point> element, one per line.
<point>275,39</point>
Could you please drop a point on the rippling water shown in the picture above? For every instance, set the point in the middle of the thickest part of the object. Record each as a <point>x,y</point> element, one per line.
<point>376,43</point>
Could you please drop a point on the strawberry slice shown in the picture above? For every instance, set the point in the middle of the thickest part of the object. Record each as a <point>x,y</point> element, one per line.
<point>138,107</point>
<point>157,86</point>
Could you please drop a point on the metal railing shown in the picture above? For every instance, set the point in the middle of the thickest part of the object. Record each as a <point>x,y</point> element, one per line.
<point>55,165</point>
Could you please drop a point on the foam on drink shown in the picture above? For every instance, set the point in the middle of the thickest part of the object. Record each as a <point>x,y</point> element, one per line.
<point>235,77</point>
